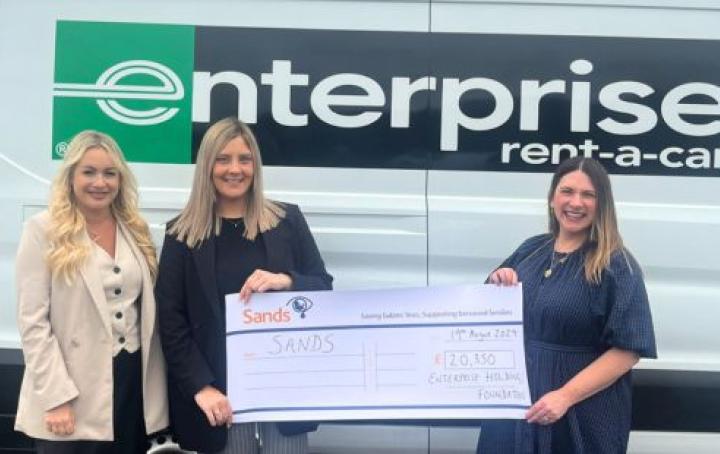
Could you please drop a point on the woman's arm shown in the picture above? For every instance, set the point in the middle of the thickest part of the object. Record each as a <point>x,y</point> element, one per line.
<point>503,276</point>
<point>186,364</point>
<point>310,272</point>
<point>598,375</point>
<point>505,273</point>
<point>261,281</point>
<point>43,357</point>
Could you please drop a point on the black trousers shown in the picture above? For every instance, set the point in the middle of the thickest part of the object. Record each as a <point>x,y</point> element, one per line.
<point>128,419</point>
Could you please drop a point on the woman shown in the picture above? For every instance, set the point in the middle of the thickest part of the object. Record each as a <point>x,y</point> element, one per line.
<point>95,376</point>
<point>587,321</point>
<point>228,238</point>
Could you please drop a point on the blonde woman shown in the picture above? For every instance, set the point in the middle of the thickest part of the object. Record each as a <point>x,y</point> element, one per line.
<point>228,238</point>
<point>587,321</point>
<point>94,377</point>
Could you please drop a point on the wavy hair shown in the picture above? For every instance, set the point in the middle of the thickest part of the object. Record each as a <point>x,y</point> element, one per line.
<point>604,237</point>
<point>199,219</point>
<point>66,231</point>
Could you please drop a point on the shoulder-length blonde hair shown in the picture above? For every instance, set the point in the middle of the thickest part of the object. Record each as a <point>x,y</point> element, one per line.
<point>604,237</point>
<point>66,230</point>
<point>199,219</point>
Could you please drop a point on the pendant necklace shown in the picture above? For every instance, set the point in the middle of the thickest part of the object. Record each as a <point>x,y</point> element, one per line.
<point>557,259</point>
<point>97,235</point>
<point>235,222</point>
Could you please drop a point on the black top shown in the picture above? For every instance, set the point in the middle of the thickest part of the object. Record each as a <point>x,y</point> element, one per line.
<point>236,257</point>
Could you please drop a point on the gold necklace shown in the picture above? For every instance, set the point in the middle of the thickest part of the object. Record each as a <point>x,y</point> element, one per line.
<point>96,235</point>
<point>561,258</point>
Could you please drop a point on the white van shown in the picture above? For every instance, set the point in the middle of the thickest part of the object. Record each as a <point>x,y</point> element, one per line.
<point>417,136</point>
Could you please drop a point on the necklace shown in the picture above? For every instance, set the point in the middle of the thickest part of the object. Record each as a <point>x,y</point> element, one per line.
<point>100,230</point>
<point>557,259</point>
<point>235,222</point>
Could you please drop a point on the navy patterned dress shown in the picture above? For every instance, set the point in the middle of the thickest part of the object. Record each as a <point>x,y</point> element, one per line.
<point>568,324</point>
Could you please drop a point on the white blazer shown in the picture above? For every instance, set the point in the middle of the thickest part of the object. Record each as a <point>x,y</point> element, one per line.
<point>67,343</point>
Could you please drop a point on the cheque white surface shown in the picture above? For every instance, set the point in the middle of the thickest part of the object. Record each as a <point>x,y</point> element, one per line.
<point>418,353</point>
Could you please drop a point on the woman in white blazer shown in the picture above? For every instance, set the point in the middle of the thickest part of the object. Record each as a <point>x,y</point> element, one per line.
<point>94,377</point>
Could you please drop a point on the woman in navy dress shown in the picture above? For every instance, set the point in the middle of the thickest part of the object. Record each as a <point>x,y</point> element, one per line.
<point>587,322</point>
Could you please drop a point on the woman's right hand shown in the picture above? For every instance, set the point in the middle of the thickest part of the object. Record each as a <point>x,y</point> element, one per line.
<point>504,276</point>
<point>61,419</point>
<point>215,405</point>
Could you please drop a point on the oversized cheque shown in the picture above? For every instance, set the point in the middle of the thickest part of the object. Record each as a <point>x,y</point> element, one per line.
<point>417,353</point>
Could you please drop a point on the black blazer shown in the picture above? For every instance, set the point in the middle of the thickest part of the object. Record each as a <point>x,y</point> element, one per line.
<point>192,325</point>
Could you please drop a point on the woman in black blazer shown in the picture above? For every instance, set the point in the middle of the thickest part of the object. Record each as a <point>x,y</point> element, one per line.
<point>228,238</point>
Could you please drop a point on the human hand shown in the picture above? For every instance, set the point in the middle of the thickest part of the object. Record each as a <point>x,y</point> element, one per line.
<point>261,281</point>
<point>550,408</point>
<point>504,276</point>
<point>61,419</point>
<point>215,405</point>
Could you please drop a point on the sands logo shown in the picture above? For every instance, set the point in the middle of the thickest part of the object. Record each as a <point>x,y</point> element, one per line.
<point>300,305</point>
<point>280,315</point>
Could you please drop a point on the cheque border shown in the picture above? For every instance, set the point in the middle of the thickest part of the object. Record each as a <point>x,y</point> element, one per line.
<point>383,407</point>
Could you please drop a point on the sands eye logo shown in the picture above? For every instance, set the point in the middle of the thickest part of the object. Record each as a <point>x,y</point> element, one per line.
<point>116,84</point>
<point>300,305</point>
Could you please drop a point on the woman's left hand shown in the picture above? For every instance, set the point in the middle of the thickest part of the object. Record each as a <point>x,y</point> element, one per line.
<point>550,408</point>
<point>261,281</point>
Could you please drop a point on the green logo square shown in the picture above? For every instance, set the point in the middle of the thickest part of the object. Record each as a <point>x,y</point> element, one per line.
<point>131,81</point>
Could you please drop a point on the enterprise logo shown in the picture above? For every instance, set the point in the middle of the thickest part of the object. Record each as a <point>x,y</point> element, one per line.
<point>109,89</point>
<point>359,99</point>
<point>113,85</point>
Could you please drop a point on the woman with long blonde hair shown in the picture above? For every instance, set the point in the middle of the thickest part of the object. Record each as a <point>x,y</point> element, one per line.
<point>229,237</point>
<point>587,322</point>
<point>95,375</point>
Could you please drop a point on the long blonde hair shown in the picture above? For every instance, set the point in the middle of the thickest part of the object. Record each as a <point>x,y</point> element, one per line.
<point>67,225</point>
<point>604,237</point>
<point>199,219</point>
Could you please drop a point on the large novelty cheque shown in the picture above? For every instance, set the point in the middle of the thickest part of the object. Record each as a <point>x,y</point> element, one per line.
<point>417,353</point>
